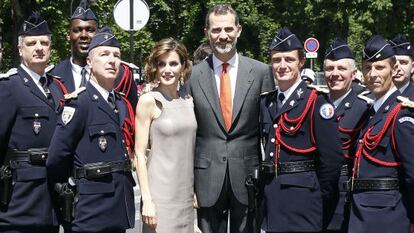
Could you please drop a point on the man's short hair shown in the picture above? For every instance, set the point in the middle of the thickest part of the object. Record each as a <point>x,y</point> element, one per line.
<point>221,9</point>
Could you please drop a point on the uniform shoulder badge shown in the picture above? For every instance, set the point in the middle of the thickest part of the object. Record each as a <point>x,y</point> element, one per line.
<point>327,111</point>
<point>9,73</point>
<point>67,114</point>
<point>131,65</point>
<point>364,97</point>
<point>75,93</point>
<point>319,88</point>
<point>405,102</point>
<point>267,92</point>
<point>49,68</point>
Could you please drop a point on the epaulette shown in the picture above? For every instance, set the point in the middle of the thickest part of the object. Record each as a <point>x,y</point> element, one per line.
<point>49,68</point>
<point>9,73</point>
<point>131,65</point>
<point>318,88</point>
<point>365,98</point>
<point>74,94</point>
<point>268,92</point>
<point>405,102</point>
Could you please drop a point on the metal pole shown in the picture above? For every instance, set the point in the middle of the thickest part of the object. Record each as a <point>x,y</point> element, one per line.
<point>131,32</point>
<point>311,64</point>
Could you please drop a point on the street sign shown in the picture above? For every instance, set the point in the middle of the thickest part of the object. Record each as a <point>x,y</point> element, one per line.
<point>312,55</point>
<point>131,18</point>
<point>311,45</point>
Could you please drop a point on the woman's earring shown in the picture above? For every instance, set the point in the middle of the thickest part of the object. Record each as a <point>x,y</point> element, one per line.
<point>181,79</point>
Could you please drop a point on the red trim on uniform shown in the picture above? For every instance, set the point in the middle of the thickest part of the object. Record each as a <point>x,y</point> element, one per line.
<point>63,88</point>
<point>296,123</point>
<point>370,143</point>
<point>128,128</point>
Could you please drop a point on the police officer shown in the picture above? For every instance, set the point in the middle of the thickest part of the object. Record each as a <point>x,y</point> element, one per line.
<point>30,101</point>
<point>382,182</point>
<point>404,54</point>
<point>351,115</point>
<point>89,145</point>
<point>303,154</point>
<point>74,71</point>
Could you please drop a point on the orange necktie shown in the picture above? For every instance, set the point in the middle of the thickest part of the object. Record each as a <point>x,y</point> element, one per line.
<point>225,96</point>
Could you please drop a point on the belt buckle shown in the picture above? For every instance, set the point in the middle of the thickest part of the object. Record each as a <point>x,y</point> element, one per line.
<point>95,172</point>
<point>37,157</point>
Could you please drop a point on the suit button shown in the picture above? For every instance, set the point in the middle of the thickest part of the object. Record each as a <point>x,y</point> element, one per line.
<point>224,159</point>
<point>272,140</point>
<point>275,126</point>
<point>271,154</point>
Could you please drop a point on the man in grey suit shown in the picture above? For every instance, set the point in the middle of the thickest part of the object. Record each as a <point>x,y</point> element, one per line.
<point>226,88</point>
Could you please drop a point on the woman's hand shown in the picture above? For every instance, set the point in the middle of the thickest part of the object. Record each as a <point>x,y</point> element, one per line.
<point>149,214</point>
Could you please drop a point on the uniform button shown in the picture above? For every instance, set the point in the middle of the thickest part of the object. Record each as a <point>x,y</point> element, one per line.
<point>98,171</point>
<point>43,156</point>
<point>102,132</point>
<point>275,126</point>
<point>264,131</point>
<point>125,155</point>
<point>271,154</point>
<point>291,127</point>
<point>272,140</point>
<point>123,141</point>
<point>36,115</point>
<point>360,140</point>
<point>224,159</point>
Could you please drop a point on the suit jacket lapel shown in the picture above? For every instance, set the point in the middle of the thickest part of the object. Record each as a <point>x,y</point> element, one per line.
<point>345,104</point>
<point>385,107</point>
<point>208,86</point>
<point>123,111</point>
<point>243,83</point>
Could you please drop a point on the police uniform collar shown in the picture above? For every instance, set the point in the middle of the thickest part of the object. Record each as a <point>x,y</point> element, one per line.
<point>291,90</point>
<point>35,76</point>
<point>379,102</point>
<point>404,87</point>
<point>337,102</point>
<point>104,93</point>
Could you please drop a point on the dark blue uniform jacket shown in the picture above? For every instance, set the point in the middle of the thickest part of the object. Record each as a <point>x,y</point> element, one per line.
<point>105,203</point>
<point>24,110</point>
<point>391,210</point>
<point>301,201</point>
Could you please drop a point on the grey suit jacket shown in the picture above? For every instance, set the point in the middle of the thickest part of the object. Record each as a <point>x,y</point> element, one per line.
<point>216,149</point>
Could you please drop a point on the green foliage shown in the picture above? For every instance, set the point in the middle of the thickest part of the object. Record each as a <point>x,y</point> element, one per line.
<point>354,20</point>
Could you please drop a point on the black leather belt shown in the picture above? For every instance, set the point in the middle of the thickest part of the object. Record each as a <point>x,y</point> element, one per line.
<point>344,170</point>
<point>35,156</point>
<point>99,169</point>
<point>268,167</point>
<point>375,184</point>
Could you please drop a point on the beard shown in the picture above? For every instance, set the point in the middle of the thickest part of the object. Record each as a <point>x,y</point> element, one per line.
<point>229,46</point>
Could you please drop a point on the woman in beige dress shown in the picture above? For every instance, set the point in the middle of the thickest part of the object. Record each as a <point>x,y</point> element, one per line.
<point>166,127</point>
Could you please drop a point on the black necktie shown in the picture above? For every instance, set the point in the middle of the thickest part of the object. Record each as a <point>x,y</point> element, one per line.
<point>44,83</point>
<point>280,98</point>
<point>83,80</point>
<point>111,101</point>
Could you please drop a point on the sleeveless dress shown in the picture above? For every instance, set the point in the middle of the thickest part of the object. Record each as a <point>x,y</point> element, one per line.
<point>171,164</point>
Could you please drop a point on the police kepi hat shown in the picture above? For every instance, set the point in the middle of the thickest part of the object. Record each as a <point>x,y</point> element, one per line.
<point>338,49</point>
<point>84,13</point>
<point>34,25</point>
<point>402,46</point>
<point>104,37</point>
<point>285,41</point>
<point>377,49</point>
